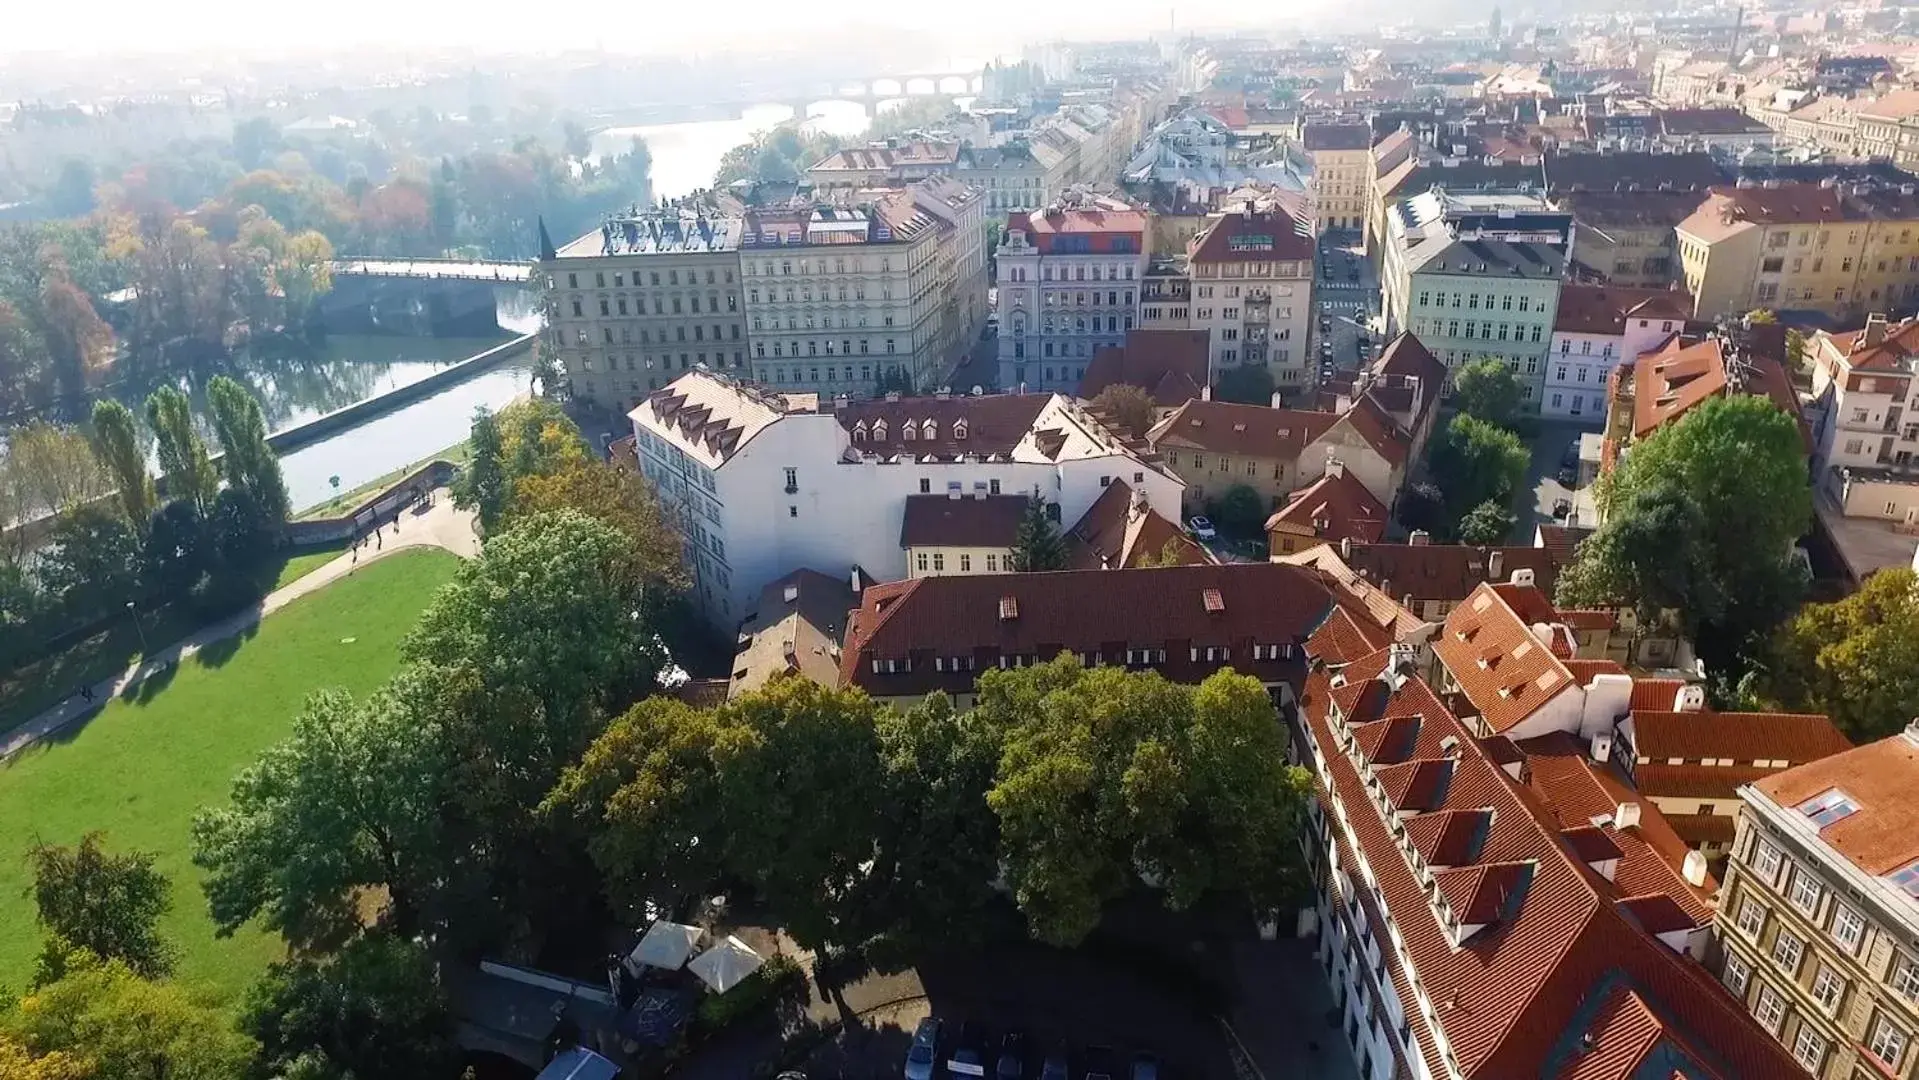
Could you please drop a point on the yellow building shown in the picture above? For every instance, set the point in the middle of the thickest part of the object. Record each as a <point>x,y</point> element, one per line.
<point>1342,173</point>
<point>960,533</point>
<point>1838,249</point>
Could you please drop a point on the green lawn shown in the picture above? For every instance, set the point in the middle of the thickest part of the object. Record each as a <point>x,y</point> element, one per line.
<point>141,768</point>
<point>42,684</point>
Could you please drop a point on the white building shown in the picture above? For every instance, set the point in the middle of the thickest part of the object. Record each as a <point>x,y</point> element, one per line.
<point>765,484</point>
<point>1596,328</point>
<point>1069,281</point>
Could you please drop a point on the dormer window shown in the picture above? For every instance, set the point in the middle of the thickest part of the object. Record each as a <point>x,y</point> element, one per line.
<point>879,429</point>
<point>908,431</point>
<point>930,430</point>
<point>959,429</point>
<point>859,431</point>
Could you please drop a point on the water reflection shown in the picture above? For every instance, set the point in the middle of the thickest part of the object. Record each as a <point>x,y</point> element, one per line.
<point>685,156</point>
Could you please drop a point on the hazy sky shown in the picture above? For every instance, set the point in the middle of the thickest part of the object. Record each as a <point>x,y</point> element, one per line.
<point>94,26</point>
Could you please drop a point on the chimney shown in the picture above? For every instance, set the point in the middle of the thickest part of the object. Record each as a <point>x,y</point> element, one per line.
<point>1335,469</point>
<point>853,580</point>
<point>1626,816</point>
<point>1206,392</point>
<point>1875,331</point>
<point>1420,538</point>
<point>1523,576</point>
<point>1694,869</point>
<point>1690,699</point>
<point>1495,560</point>
<point>1602,747</point>
<point>1345,547</point>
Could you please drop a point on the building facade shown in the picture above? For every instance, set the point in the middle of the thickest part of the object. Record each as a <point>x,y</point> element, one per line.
<point>1595,328</point>
<point>1216,445</point>
<point>1252,292</point>
<point>1862,384</point>
<point>1342,163</point>
<point>1467,300</point>
<point>643,300</point>
<point>1840,250</point>
<point>1069,280</point>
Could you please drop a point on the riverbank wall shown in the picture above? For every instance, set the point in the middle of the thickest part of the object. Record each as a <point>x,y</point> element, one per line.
<point>378,507</point>
<point>320,427</point>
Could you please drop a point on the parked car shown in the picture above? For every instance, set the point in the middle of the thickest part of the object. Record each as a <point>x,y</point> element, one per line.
<point>1562,508</point>
<point>1568,476</point>
<point>1202,527</point>
<point>922,1061</point>
<point>1055,1067</point>
<point>1145,1067</point>
<point>969,1055</point>
<point>1012,1056</point>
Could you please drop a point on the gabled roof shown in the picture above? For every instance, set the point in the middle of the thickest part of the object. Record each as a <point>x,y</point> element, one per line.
<point>1247,430</point>
<point>795,630</point>
<point>1671,381</point>
<point>1894,353</point>
<point>972,521</point>
<point>1693,737</point>
<point>1266,234</point>
<point>1605,309</point>
<point>1880,778</point>
<point>1334,507</point>
<point>995,424</point>
<point>1118,531</point>
<point>1170,365</point>
<point>1500,665</point>
<point>1447,572</point>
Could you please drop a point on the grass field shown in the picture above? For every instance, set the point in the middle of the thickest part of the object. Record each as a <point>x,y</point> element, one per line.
<point>142,767</point>
<point>43,683</point>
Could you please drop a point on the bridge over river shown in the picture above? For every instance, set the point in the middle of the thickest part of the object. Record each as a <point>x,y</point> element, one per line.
<point>436,269</point>
<point>437,297</point>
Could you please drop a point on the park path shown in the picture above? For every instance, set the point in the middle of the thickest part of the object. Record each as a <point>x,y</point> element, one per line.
<point>442,525</point>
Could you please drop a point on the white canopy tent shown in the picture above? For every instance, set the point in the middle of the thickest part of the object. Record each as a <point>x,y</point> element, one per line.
<point>666,945</point>
<point>723,966</point>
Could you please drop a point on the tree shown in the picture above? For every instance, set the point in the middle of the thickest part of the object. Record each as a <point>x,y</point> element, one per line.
<point>1238,511</point>
<point>1475,462</point>
<point>1650,555</point>
<point>19,1063</point>
<point>1742,462</point>
<point>1488,523</point>
<point>1489,390</point>
<point>1856,659</point>
<point>1422,506</point>
<point>54,467</point>
<point>108,904</point>
<point>482,486</point>
<point>557,606</point>
<point>575,140</point>
<point>1761,316</point>
<point>537,438</point>
<point>1037,544</point>
<point>1248,384</point>
<point>121,450</point>
<point>249,464</point>
<point>176,550</point>
<point>617,496</point>
<point>120,1025</point>
<point>72,194</point>
<point>79,343</point>
<point>352,801</point>
<point>1110,777</point>
<point>90,561</point>
<point>1130,406</point>
<point>184,462</point>
<point>372,1011</point>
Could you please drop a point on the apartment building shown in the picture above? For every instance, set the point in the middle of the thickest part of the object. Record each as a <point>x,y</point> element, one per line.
<point>1595,328</point>
<point>1492,898</point>
<point>1889,128</point>
<point>1215,445</point>
<point>960,533</point>
<point>1659,387</point>
<point>1625,238</point>
<point>1403,168</point>
<point>960,209</point>
<point>1166,295</point>
<point>643,299</point>
<point>767,483</point>
<point>838,297</point>
<point>883,164</point>
<point>1252,292</point>
<point>1819,916</point>
<point>1865,421</point>
<point>1836,249</point>
<point>1342,165</point>
<point>1069,279</point>
<point>1010,175</point>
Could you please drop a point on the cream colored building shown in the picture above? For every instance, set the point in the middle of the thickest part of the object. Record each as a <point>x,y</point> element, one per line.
<point>960,532</point>
<point>1252,291</point>
<point>839,297</point>
<point>1216,445</point>
<point>642,300</point>
<point>1342,168</point>
<point>1841,250</point>
<point>1818,915</point>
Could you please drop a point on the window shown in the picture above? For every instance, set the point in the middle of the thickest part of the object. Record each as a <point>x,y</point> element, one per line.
<point>966,564</point>
<point>992,562</point>
<point>1752,917</point>
<point>1848,928</point>
<point>792,479</point>
<point>920,561</point>
<point>1805,891</point>
<point>1907,876</point>
<point>1887,1042</point>
<point>792,511</point>
<point>1769,1008</point>
<point>1765,861</point>
<point>1809,1049</point>
<point>939,561</point>
<point>1736,975</point>
<point>1827,807</point>
<point>1828,988</point>
<point>1787,950</point>
<point>1905,978</point>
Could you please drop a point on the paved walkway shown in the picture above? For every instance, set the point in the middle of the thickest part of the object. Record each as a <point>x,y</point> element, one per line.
<point>442,526</point>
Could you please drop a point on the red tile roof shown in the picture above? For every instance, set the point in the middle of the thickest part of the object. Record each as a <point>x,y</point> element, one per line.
<point>1656,694</point>
<point>1892,354</point>
<point>1117,532</point>
<point>1225,427</point>
<point>1604,309</point>
<point>1255,236</point>
<point>1533,994</point>
<point>1744,737</point>
<point>1669,382</point>
<point>1662,781</point>
<point>975,522</point>
<point>984,617</point>
<point>995,423</point>
<point>1881,779</point>
<point>1334,507</point>
<point>1447,572</point>
<point>1506,671</point>
<point>1168,364</point>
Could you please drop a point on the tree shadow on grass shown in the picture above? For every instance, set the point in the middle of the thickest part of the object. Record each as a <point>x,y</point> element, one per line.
<point>150,684</point>
<point>215,654</point>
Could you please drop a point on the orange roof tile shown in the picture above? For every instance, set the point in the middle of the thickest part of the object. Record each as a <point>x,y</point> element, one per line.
<point>1669,382</point>
<point>1499,664</point>
<point>1880,778</point>
<point>1334,507</point>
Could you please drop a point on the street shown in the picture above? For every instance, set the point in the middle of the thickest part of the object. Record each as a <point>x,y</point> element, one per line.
<point>1345,296</point>
<point>1556,444</point>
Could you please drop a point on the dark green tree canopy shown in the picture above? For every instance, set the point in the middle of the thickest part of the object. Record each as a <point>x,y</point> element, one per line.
<point>1037,545</point>
<point>107,904</point>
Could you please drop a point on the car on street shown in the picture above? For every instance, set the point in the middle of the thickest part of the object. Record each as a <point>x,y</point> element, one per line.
<point>922,1059</point>
<point>1202,527</point>
<point>1012,1056</point>
<point>969,1054</point>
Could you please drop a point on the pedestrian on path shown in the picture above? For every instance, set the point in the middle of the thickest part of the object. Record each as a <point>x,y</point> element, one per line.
<point>86,693</point>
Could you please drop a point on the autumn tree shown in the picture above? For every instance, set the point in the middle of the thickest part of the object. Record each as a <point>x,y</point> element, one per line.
<point>106,903</point>
<point>79,343</point>
<point>1856,659</point>
<point>52,468</point>
<point>618,496</point>
<point>103,1014</point>
<point>1130,406</point>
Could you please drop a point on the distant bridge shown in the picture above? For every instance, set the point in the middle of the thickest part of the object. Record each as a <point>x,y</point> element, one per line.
<point>868,91</point>
<point>509,273</point>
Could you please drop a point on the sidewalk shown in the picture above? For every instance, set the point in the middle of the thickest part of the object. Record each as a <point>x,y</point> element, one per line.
<point>443,526</point>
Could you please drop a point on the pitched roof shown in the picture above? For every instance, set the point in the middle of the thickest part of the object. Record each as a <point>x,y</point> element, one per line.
<point>795,630</point>
<point>1503,669</point>
<point>1118,531</point>
<point>1447,572</point>
<point>1893,353</point>
<point>713,416</point>
<point>1639,171</point>
<point>978,521</point>
<point>1318,137</point>
<point>995,423</point>
<point>1796,738</point>
<point>1605,309</point>
<point>1407,356</point>
<point>1671,381</point>
<point>988,616</point>
<point>1170,365</point>
<point>1334,507</point>
<point>1262,235</point>
<point>1560,541</point>
<point>1247,430</point>
<point>1881,778</point>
